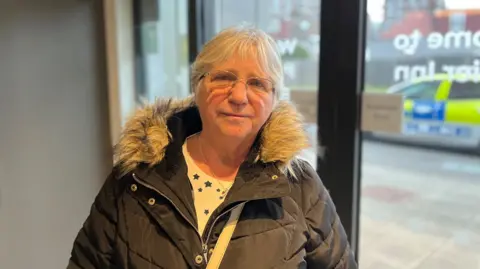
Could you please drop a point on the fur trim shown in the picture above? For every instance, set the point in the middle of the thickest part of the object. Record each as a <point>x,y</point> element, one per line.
<point>146,135</point>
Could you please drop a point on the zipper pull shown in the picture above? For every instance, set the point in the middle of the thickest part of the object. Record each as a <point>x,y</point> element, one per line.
<point>205,252</point>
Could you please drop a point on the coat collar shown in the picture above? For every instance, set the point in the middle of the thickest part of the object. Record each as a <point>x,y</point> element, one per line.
<point>154,128</point>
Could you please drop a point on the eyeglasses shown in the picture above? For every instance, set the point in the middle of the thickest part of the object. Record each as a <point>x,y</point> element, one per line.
<point>225,80</point>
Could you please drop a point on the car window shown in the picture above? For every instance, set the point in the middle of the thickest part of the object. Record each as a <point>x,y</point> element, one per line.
<point>466,90</point>
<point>422,90</point>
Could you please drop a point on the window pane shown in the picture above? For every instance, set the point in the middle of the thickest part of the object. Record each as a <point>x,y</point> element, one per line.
<point>424,90</point>
<point>295,27</point>
<point>420,187</point>
<point>161,49</point>
<point>466,90</point>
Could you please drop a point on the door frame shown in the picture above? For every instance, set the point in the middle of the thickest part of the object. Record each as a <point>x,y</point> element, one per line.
<point>341,77</point>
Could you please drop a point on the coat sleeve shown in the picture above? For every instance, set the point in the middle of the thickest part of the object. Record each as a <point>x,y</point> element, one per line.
<point>328,246</point>
<point>93,246</point>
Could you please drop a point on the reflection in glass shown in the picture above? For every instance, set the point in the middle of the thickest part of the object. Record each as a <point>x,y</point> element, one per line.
<point>420,188</point>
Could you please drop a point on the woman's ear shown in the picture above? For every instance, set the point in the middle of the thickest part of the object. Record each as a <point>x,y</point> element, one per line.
<point>275,99</point>
<point>192,88</point>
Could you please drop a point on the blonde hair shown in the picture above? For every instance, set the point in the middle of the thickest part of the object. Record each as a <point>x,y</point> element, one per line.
<point>243,40</point>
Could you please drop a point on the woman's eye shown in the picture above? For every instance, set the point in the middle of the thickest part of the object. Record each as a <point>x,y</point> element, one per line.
<point>256,83</point>
<point>223,77</point>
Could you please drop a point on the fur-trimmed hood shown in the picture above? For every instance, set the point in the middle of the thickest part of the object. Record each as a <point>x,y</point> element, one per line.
<point>146,134</point>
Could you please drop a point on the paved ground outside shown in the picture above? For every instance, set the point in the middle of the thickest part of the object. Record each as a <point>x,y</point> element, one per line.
<point>420,208</point>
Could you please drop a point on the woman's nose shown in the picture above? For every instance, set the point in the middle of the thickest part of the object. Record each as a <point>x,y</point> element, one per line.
<point>238,93</point>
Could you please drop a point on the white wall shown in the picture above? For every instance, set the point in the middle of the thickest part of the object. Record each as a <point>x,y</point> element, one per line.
<point>54,130</point>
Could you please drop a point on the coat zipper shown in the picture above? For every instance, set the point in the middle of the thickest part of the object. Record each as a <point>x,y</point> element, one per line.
<point>217,218</point>
<point>204,245</point>
<point>143,183</point>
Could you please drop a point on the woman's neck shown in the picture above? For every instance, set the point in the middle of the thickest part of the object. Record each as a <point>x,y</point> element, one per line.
<point>220,158</point>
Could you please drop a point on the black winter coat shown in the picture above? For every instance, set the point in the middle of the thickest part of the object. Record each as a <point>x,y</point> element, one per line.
<point>144,216</point>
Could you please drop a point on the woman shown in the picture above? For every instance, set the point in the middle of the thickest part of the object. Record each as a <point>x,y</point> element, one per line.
<point>186,168</point>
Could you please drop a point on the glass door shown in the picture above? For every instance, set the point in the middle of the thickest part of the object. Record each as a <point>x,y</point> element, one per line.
<point>420,185</point>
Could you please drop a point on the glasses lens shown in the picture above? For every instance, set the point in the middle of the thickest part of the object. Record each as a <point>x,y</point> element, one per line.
<point>260,84</point>
<point>222,79</point>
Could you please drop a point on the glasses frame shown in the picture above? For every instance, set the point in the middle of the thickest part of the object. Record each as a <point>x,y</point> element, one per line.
<point>272,90</point>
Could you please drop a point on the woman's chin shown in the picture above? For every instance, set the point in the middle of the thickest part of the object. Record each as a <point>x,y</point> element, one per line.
<point>235,131</point>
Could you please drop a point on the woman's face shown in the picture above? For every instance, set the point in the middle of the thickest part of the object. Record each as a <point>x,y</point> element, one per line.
<point>235,111</point>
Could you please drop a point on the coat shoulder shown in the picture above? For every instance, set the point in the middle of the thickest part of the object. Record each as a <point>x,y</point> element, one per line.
<point>307,187</point>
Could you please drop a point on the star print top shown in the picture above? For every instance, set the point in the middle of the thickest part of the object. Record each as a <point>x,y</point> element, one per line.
<point>208,192</point>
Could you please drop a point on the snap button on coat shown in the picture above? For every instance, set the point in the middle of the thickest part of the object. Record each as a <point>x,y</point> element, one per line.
<point>151,201</point>
<point>198,259</point>
<point>133,187</point>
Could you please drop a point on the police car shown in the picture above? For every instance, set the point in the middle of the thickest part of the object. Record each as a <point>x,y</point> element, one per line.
<point>440,111</point>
